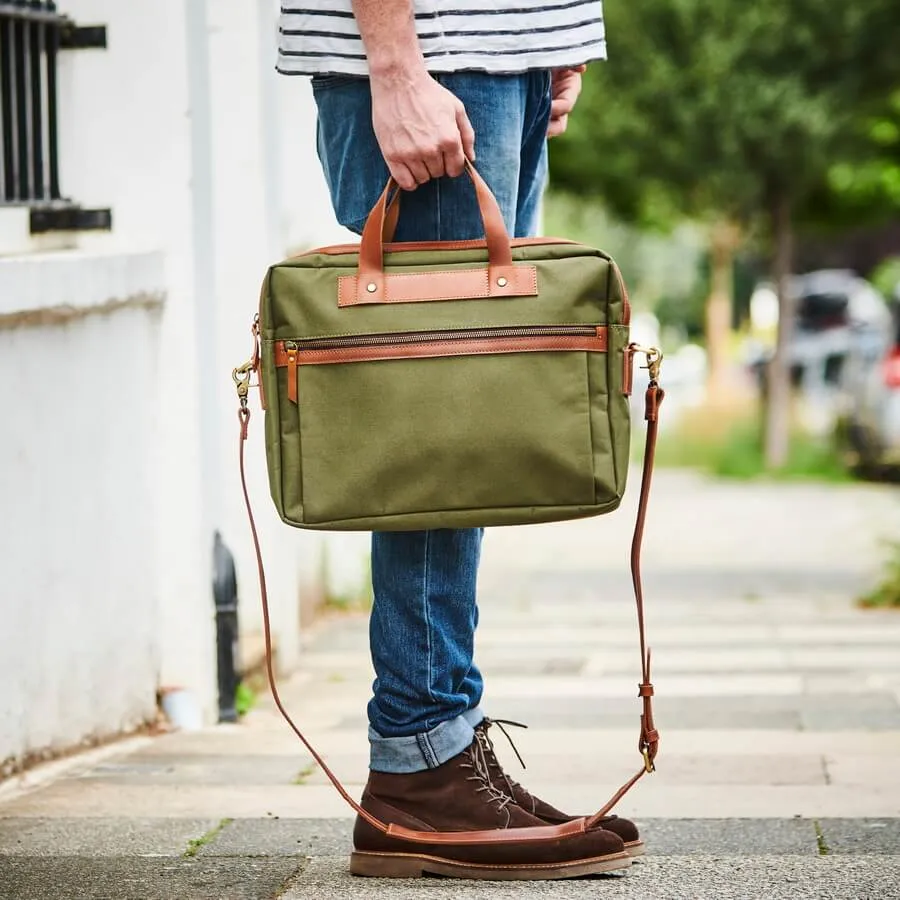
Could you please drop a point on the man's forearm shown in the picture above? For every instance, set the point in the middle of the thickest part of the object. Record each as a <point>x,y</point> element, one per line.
<point>422,129</point>
<point>388,30</point>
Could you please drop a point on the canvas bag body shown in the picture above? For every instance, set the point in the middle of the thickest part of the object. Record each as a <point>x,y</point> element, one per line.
<point>407,419</point>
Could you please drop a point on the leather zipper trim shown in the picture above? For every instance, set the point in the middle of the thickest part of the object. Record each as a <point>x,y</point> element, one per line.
<point>436,344</point>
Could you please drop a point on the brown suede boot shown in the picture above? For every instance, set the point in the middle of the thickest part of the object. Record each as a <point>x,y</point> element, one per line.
<point>456,797</point>
<point>624,828</point>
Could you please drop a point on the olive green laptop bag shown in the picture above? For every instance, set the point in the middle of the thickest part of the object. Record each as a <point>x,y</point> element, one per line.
<point>444,385</point>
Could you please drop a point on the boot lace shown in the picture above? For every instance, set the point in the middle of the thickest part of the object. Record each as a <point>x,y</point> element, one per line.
<point>490,755</point>
<point>477,761</point>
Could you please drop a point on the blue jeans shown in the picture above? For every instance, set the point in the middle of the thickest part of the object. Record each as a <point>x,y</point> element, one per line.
<point>427,688</point>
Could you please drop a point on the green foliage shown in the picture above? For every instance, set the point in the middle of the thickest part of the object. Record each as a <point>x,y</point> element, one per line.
<point>244,698</point>
<point>358,599</point>
<point>731,446</point>
<point>196,844</point>
<point>873,183</point>
<point>304,774</point>
<point>886,278</point>
<point>887,593</point>
<point>711,108</point>
<point>662,272</point>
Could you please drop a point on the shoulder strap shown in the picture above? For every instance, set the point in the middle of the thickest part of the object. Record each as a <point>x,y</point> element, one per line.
<point>648,741</point>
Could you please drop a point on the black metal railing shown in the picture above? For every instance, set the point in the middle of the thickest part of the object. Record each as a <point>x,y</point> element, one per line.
<point>32,33</point>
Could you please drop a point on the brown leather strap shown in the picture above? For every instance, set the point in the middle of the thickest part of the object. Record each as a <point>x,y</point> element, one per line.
<point>648,742</point>
<point>391,218</point>
<point>371,248</point>
<point>244,417</point>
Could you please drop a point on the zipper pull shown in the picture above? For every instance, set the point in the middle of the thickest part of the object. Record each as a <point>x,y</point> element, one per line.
<point>291,350</point>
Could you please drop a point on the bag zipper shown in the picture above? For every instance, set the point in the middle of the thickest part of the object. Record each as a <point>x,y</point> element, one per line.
<point>290,353</point>
<point>419,337</point>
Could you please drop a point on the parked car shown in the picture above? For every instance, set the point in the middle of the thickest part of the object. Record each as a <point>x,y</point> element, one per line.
<point>845,363</point>
<point>834,310</point>
<point>869,422</point>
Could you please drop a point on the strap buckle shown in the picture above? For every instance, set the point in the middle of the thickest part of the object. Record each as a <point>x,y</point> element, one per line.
<point>649,765</point>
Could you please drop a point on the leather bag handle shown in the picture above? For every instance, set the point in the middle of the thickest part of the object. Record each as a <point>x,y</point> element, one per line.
<point>382,222</point>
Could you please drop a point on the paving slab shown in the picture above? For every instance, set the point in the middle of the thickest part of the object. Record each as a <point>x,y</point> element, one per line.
<point>121,836</point>
<point>554,712</point>
<point>870,836</point>
<point>130,878</point>
<point>730,837</point>
<point>858,769</point>
<point>664,837</point>
<point>663,878</point>
<point>211,769</point>
<point>654,798</point>
<point>553,768</point>
<point>283,837</point>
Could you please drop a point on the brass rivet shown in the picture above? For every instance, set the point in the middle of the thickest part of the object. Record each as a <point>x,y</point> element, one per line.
<point>371,287</point>
<point>502,282</point>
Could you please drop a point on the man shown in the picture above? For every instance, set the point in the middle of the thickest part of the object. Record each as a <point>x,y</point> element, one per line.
<point>414,88</point>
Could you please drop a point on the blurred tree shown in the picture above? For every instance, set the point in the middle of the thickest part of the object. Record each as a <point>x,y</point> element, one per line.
<point>730,114</point>
<point>870,188</point>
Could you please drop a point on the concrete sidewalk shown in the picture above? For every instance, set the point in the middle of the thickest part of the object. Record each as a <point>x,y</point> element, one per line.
<point>778,703</point>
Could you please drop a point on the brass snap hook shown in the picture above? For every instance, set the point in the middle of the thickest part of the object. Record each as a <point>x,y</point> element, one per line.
<point>654,358</point>
<point>242,374</point>
<point>241,377</point>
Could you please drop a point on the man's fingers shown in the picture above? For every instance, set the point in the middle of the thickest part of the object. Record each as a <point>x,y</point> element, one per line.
<point>454,161</point>
<point>558,125</point>
<point>419,171</point>
<point>403,176</point>
<point>423,131</point>
<point>562,106</point>
<point>434,157</point>
<point>466,132</point>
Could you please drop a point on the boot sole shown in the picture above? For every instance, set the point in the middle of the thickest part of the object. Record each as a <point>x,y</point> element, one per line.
<point>410,865</point>
<point>635,848</point>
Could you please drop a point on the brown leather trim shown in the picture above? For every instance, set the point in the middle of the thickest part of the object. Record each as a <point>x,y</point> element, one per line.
<point>460,284</point>
<point>404,246</point>
<point>290,360</point>
<point>597,343</point>
<point>536,834</point>
<point>371,245</point>
<point>626,305</point>
<point>256,348</point>
<point>628,371</point>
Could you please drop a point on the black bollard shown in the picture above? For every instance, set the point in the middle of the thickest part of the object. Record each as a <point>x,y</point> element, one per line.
<point>226,600</point>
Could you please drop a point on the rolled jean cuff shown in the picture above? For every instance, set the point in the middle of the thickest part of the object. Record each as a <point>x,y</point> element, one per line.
<point>427,750</point>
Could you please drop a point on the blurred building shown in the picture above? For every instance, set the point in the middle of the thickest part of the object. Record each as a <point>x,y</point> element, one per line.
<point>133,240</point>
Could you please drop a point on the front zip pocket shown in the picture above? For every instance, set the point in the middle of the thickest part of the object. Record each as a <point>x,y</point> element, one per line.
<point>459,420</point>
<point>433,344</point>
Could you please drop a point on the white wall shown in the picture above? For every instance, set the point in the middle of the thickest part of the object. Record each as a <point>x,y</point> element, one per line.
<point>207,159</point>
<point>79,655</point>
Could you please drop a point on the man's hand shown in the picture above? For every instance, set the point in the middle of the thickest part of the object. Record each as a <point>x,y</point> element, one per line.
<point>565,86</point>
<point>422,129</point>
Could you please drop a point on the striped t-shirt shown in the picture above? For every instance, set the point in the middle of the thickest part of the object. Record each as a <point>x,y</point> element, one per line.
<point>321,36</point>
